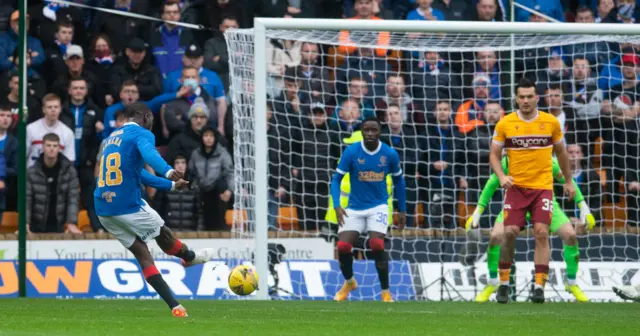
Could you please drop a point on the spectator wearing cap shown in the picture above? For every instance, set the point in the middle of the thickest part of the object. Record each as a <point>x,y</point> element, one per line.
<point>624,98</point>
<point>174,115</point>
<point>169,41</point>
<point>314,152</point>
<point>211,170</point>
<point>401,135</point>
<point>551,8</point>
<point>209,80</point>
<point>189,139</point>
<point>75,67</point>
<point>9,42</point>
<point>146,76</point>
<point>54,65</point>
<point>122,28</point>
<point>470,113</point>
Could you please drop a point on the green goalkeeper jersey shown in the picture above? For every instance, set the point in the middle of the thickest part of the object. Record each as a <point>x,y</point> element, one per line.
<point>494,183</point>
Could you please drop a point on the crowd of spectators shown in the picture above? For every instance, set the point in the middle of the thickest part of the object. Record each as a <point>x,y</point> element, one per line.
<point>438,108</point>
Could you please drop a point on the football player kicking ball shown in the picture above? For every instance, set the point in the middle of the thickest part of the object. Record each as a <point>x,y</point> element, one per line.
<point>124,213</point>
<point>560,224</point>
<point>368,163</point>
<point>529,136</point>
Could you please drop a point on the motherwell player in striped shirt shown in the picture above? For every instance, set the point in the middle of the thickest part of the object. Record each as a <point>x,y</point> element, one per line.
<point>530,138</point>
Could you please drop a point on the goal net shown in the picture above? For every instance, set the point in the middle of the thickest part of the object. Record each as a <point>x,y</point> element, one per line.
<point>439,96</point>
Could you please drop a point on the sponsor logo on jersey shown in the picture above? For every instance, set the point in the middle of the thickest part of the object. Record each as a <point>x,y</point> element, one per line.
<point>529,142</point>
<point>370,176</point>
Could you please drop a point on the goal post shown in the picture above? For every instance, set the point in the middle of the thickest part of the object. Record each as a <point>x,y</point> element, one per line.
<point>250,85</point>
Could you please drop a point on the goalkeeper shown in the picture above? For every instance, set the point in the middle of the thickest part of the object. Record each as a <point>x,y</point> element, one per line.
<point>560,224</point>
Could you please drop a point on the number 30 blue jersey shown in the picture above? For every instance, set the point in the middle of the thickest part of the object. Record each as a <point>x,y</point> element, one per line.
<point>368,172</point>
<point>121,170</point>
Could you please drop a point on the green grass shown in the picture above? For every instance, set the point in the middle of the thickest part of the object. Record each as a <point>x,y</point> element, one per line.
<point>135,318</point>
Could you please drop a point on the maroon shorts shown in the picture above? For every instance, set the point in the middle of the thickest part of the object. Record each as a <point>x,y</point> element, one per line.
<point>520,201</point>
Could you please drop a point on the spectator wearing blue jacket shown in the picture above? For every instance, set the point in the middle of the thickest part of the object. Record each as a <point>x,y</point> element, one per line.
<point>425,12</point>
<point>551,8</point>
<point>168,41</point>
<point>129,94</point>
<point>9,42</point>
<point>209,80</point>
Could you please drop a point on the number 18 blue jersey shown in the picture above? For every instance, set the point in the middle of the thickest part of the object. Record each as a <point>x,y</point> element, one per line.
<point>121,170</point>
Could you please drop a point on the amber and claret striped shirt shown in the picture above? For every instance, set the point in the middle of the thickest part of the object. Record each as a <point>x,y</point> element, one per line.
<point>529,145</point>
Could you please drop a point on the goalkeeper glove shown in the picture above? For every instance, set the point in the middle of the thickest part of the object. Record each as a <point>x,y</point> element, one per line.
<point>585,215</point>
<point>473,221</point>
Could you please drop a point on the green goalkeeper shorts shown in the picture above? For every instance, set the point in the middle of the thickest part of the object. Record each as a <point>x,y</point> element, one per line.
<point>558,218</point>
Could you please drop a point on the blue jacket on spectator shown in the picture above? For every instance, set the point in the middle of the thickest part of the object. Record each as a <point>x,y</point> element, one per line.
<point>209,80</point>
<point>167,47</point>
<point>155,104</point>
<point>9,42</point>
<point>552,8</point>
<point>415,15</point>
<point>611,75</point>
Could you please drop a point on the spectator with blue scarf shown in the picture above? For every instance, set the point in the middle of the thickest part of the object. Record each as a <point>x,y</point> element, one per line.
<point>169,41</point>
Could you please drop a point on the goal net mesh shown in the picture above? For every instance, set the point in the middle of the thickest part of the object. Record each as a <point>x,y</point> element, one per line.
<point>439,97</point>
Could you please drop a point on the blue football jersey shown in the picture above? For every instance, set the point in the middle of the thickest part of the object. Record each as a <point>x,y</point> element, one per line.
<point>368,172</point>
<point>126,151</point>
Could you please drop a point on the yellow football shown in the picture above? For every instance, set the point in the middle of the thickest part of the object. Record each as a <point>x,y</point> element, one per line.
<point>243,280</point>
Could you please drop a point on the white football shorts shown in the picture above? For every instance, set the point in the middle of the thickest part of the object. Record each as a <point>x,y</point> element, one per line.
<point>374,219</point>
<point>144,224</point>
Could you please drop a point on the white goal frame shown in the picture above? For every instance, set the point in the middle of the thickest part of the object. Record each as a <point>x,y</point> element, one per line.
<point>464,27</point>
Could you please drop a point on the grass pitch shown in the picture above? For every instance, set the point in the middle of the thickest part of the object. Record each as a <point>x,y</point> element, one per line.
<point>136,318</point>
